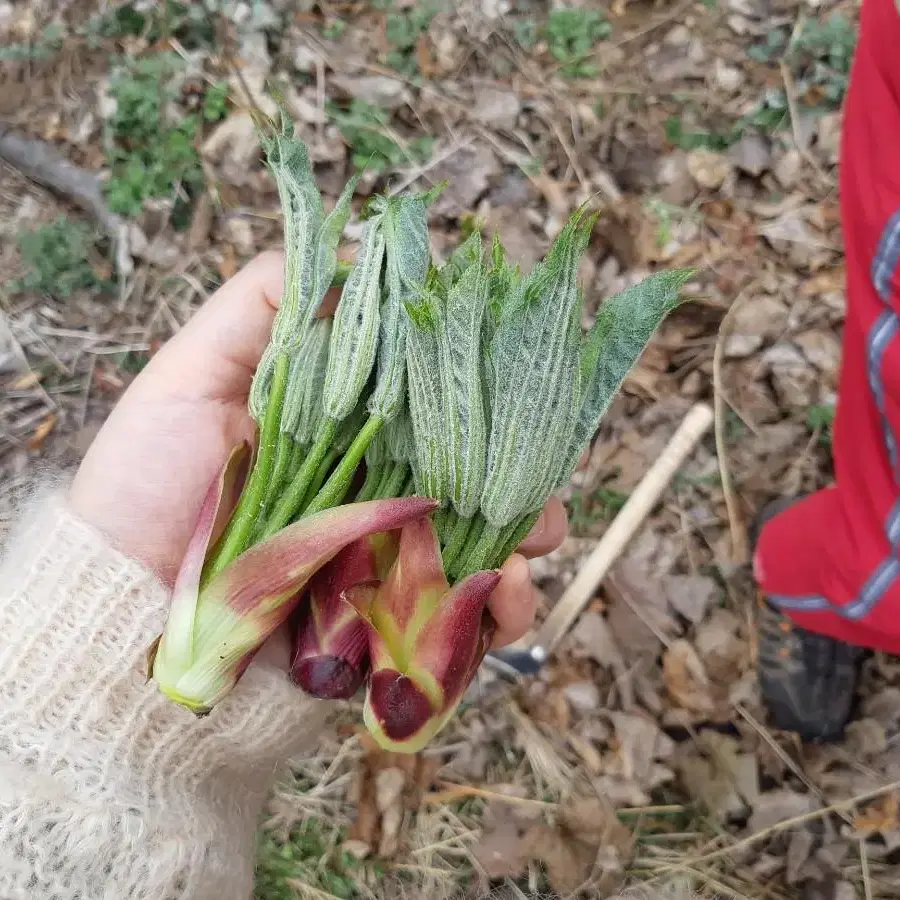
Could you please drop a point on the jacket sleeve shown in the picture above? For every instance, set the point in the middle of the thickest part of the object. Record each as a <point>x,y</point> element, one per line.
<point>107,789</point>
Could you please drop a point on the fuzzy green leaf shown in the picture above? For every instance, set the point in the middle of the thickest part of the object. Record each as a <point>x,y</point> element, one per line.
<point>426,400</point>
<point>399,438</point>
<point>460,359</point>
<point>406,252</point>
<point>624,325</point>
<point>303,212</point>
<point>355,335</point>
<point>302,411</point>
<point>327,242</point>
<point>259,387</point>
<point>536,372</point>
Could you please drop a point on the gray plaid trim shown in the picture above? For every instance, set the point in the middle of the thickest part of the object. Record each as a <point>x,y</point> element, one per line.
<point>807,603</point>
<point>892,525</point>
<point>876,586</point>
<point>874,589</point>
<point>883,332</point>
<point>887,256</point>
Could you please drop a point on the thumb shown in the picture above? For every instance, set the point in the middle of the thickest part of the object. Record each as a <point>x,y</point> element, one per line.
<point>214,356</point>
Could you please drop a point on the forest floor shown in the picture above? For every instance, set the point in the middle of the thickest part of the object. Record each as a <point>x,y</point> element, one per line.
<point>707,133</point>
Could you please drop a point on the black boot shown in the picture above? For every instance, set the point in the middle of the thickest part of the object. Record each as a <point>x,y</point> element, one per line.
<point>808,681</point>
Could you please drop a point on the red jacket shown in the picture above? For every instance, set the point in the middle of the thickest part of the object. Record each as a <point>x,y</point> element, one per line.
<point>833,560</point>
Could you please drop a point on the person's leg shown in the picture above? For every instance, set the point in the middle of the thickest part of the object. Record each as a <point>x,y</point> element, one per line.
<point>828,566</point>
<point>807,680</point>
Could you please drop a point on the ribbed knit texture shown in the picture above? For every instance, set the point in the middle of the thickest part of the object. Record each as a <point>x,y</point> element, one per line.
<point>109,791</point>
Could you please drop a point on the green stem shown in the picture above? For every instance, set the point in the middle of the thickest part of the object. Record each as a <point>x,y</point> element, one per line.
<point>391,486</point>
<point>440,517</point>
<point>481,553</point>
<point>239,530</point>
<point>510,538</point>
<point>297,458</point>
<point>339,482</point>
<point>291,501</point>
<point>319,479</point>
<point>370,485</point>
<point>409,488</point>
<point>283,456</point>
<point>458,540</point>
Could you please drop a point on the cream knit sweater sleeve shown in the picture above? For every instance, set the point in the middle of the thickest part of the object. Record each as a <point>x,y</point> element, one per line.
<point>107,790</point>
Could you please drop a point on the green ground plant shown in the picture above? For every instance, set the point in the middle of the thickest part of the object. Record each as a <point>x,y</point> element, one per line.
<point>151,149</point>
<point>306,859</point>
<point>367,130</point>
<point>403,29</point>
<point>587,508</point>
<point>56,259</point>
<point>819,57</point>
<point>571,35</point>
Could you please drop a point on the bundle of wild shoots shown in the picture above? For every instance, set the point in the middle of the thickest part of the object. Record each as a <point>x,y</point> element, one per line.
<point>406,446</point>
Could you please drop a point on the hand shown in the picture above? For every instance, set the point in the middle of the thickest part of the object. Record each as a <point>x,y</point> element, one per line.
<point>144,478</point>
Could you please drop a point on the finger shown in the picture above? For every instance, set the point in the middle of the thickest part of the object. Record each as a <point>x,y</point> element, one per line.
<point>548,532</point>
<point>215,354</point>
<point>514,601</point>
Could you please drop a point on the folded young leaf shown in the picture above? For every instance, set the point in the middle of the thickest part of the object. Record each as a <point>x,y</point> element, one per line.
<point>624,325</point>
<point>427,400</point>
<point>535,367</point>
<point>327,238</point>
<point>426,640</point>
<point>398,438</point>
<point>303,212</point>
<point>460,358</point>
<point>302,411</point>
<point>406,256</point>
<point>354,337</point>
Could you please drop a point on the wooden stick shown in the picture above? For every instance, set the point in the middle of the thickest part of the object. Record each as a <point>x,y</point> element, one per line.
<point>632,515</point>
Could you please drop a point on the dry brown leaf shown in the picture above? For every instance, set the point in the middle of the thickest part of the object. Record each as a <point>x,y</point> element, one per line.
<point>880,816</point>
<point>587,839</point>
<point>388,786</point>
<point>28,380</point>
<point>228,264</point>
<point>779,806</point>
<point>686,679</point>
<point>500,850</point>
<point>42,432</point>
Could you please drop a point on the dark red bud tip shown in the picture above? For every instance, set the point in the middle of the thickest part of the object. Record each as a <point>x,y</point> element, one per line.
<point>400,707</point>
<point>328,677</point>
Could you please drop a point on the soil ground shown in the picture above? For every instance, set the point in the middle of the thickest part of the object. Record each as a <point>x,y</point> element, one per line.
<point>707,134</point>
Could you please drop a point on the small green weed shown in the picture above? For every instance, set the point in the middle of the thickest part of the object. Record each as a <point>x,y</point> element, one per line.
<point>571,35</point>
<point>819,58</point>
<point>599,505</point>
<point>403,30</point>
<point>820,418</point>
<point>151,152</point>
<point>190,23</point>
<point>366,129</point>
<point>667,216</point>
<point>334,28</point>
<point>525,32</point>
<point>215,102</point>
<point>304,857</point>
<point>56,257</point>
<point>45,46</point>
<point>769,116</point>
<point>694,137</point>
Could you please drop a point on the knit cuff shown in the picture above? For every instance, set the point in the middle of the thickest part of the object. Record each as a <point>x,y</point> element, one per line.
<point>76,620</point>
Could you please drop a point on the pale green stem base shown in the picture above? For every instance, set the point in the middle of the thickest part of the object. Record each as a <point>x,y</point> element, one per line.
<point>238,532</point>
<point>339,482</point>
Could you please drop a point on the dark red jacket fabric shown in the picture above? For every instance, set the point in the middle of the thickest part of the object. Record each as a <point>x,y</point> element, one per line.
<point>832,561</point>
